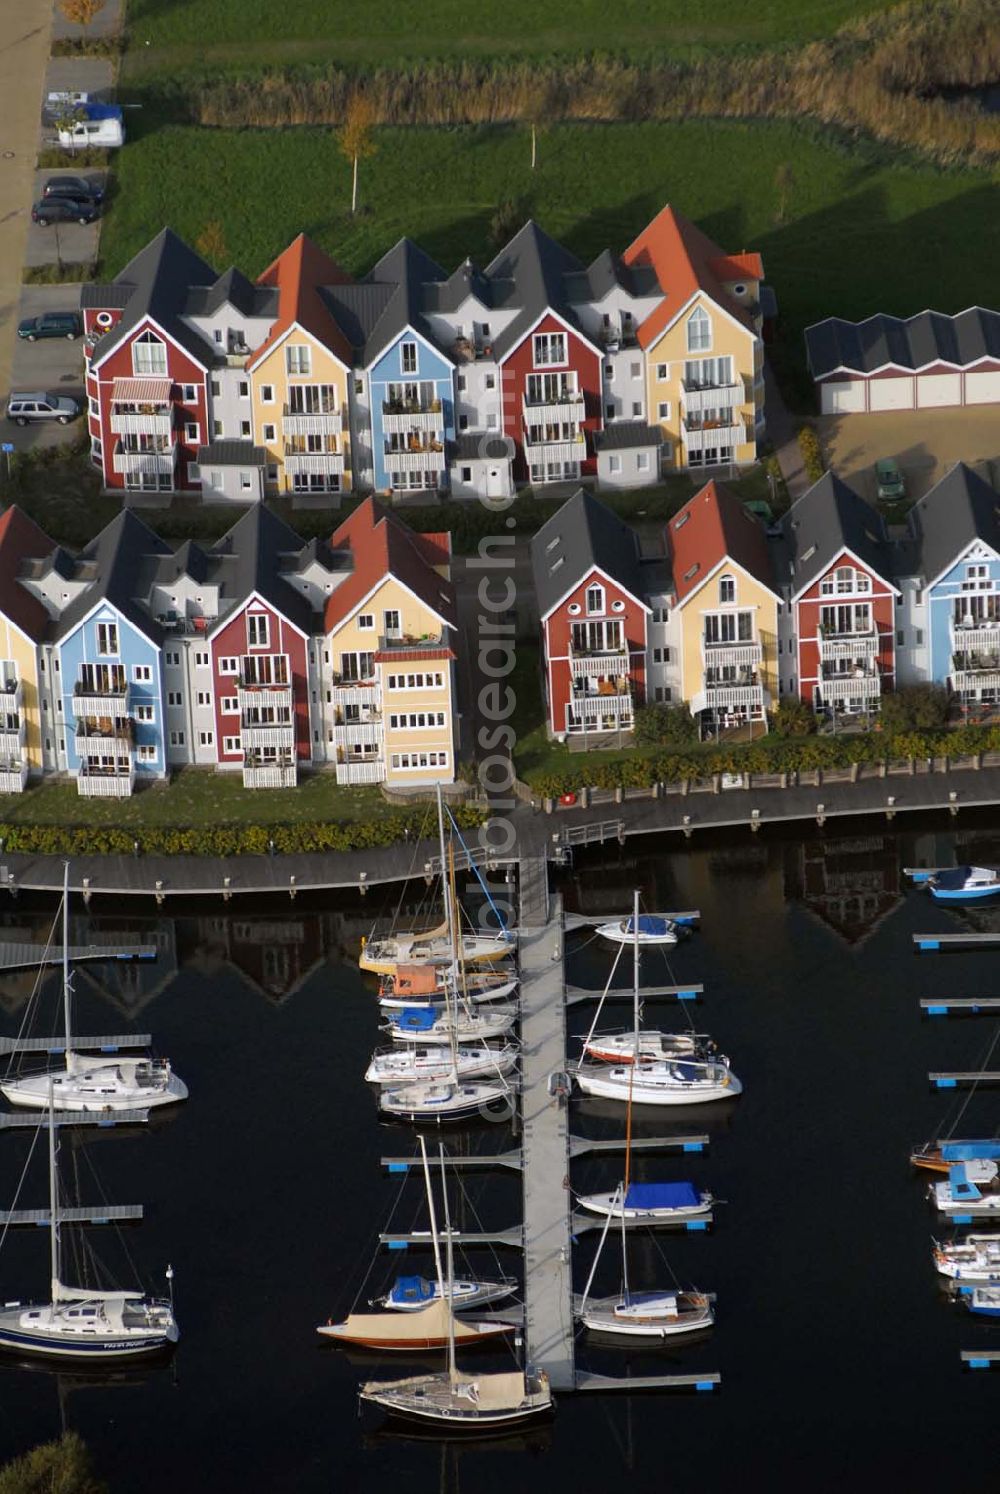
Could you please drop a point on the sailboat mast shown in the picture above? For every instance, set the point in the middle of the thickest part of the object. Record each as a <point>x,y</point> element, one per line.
<point>67,1014</point>
<point>444,876</point>
<point>433,1214</point>
<point>53,1199</point>
<point>597,1252</point>
<point>624,1251</point>
<point>635,972</point>
<point>450,1249</point>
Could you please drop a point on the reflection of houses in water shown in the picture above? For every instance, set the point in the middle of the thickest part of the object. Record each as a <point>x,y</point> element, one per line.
<point>851,883</point>
<point>274,956</point>
<point>127,984</point>
<point>20,927</point>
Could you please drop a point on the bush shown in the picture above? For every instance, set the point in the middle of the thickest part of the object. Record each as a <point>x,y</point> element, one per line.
<point>915,708</point>
<point>812,454</point>
<point>791,717</point>
<point>75,273</point>
<point>665,726</point>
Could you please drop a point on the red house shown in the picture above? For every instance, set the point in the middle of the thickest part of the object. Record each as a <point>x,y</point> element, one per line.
<point>843,607</point>
<point>550,371</point>
<point>594,620</point>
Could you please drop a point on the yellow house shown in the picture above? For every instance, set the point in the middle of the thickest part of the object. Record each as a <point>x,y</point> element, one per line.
<point>704,355</point>
<point>299,379</point>
<point>23,624</point>
<point>389,628</point>
<point>726,610</point>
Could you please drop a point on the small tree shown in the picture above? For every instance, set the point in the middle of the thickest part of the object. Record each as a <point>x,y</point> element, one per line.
<point>915,708</point>
<point>791,717</point>
<point>355,136</point>
<point>63,1465</point>
<point>784,185</point>
<point>81,12</point>
<point>211,244</point>
<point>665,726</point>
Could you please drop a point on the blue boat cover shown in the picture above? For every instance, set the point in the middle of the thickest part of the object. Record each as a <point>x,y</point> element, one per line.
<point>965,1151</point>
<point>417,1018</point>
<point>962,1191</point>
<point>649,923</point>
<point>688,1071</point>
<point>953,880</point>
<point>412,1289</point>
<point>662,1196</point>
<point>102,111</point>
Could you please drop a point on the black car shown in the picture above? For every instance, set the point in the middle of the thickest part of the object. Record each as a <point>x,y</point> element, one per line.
<point>79,187</point>
<point>64,210</point>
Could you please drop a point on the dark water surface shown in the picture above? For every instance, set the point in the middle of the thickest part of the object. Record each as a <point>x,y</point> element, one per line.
<point>840,1360</point>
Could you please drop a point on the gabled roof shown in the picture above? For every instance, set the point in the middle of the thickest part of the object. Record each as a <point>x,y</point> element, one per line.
<point>958,510</point>
<point>712,527</point>
<point>249,558</point>
<point>232,289</point>
<point>468,280</point>
<point>608,271</point>
<point>827,520</point>
<point>297,275</point>
<point>890,341</point>
<point>111,564</point>
<point>158,280</point>
<point>404,271</point>
<point>685,261</point>
<point>535,268</point>
<point>21,540</point>
<point>378,545</point>
<point>580,536</point>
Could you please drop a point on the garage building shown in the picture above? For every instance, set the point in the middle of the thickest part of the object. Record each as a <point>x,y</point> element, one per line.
<point>923,362</point>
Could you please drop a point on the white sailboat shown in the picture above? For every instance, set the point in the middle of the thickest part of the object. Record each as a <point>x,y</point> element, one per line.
<point>88,1082</point>
<point>970,1191</point>
<point>433,1063</point>
<point>459,1402</point>
<point>974,1258</point>
<point>412,1293</point>
<point>648,928</point>
<point>653,1046</point>
<point>414,987</point>
<point>84,1322</point>
<point>434,1024</point>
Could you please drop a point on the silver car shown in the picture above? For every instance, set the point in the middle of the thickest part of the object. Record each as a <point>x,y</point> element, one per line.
<point>41,405</point>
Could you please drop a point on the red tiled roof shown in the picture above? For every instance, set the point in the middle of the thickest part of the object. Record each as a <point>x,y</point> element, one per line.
<point>20,540</point>
<point>714,526</point>
<point>382,545</point>
<point>435,547</point>
<point>411,655</point>
<point>298,272</point>
<point>685,261</point>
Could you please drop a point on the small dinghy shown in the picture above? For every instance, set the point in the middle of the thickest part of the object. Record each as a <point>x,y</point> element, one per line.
<point>619,1047</point>
<point>650,1203</point>
<point>964,884</point>
<point>435,1024</point>
<point>411,1293</point>
<point>971,1190</point>
<point>416,1063</point>
<point>652,928</point>
<point>975,1258</point>
<point>984,1301</point>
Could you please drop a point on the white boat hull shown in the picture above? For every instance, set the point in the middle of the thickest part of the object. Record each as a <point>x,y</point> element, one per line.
<point>643,1317</point>
<point>492,1022</point>
<point>54,1334</point>
<point>976,1258</point>
<point>443,1102</point>
<point>657,1084</point>
<point>98,1088</point>
<point>610,1203</point>
<point>463,1296</point>
<point>417,1065</point>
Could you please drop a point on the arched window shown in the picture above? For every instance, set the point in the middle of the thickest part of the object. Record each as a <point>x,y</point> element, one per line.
<point>699,331</point>
<point>845,581</point>
<point>595,599</point>
<point>727,589</point>
<point>149,354</point>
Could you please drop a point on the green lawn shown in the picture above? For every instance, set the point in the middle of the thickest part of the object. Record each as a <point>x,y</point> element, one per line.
<point>865,231</point>
<point>196,797</point>
<point>178,33</point>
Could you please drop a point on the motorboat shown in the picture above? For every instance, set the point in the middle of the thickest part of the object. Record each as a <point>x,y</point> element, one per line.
<point>412,1293</point>
<point>656,1315</point>
<point>668,1082</point>
<point>416,1062</point>
<point>974,1258</point>
<point>448,1101</point>
<point>434,1024</point>
<point>620,1047</point>
<point>971,1190</point>
<point>464,1403</point>
<point>964,884</point>
<point>648,928</point>
<point>650,1203</point>
<point>431,985</point>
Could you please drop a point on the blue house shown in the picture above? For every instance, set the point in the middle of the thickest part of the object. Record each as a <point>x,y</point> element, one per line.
<point>955,541</point>
<point>109,662</point>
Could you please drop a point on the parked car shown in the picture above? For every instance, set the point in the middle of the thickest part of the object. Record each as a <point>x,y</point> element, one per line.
<point>41,405</point>
<point>64,210</point>
<point>51,324</point>
<point>80,187</point>
<point>889,479</point>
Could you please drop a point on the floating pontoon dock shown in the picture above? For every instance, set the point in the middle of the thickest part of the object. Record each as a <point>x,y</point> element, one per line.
<point>943,1006</point>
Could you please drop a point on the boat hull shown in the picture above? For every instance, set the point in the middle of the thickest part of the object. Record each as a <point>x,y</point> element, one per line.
<point>627,1081</point>
<point>608,1203</point>
<point>461,1103</point>
<point>488,1064</point>
<point>32,1093</point>
<point>466,1295</point>
<point>602,1317</point>
<point>406,1344</point>
<point>963,895</point>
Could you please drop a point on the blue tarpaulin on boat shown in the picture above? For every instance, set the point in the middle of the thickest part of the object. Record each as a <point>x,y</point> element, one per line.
<point>689,1071</point>
<point>965,1151</point>
<point>649,923</point>
<point>102,111</point>
<point>662,1196</point>
<point>954,879</point>
<point>417,1018</point>
<point>961,1189</point>
<point>412,1289</point>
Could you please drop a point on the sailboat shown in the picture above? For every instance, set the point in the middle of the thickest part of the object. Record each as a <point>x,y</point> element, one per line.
<point>86,1083</point>
<point>429,985</point>
<point>418,1062</point>
<point>413,1293</point>
<point>84,1322</point>
<point>964,884</point>
<point>654,1047</point>
<point>666,1080</point>
<point>974,1258</point>
<point>650,928</point>
<point>941,1156</point>
<point>430,1325</point>
<point>971,1191</point>
<point>460,1402</point>
<point>432,1024</point>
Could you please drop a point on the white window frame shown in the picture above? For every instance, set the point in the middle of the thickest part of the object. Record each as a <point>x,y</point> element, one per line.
<point>596,590</point>
<point>144,366</point>
<point>142,674</point>
<point>543,349</point>
<point>408,358</point>
<point>699,331</point>
<point>107,640</point>
<point>258,623</point>
<point>229,665</point>
<point>298,359</point>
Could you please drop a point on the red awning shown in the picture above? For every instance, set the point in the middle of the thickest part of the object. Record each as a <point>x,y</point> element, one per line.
<point>141,391</point>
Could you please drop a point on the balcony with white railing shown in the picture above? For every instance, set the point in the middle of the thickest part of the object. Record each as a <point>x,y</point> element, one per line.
<point>363,693</point>
<point>397,420</point>
<point>11,689</point>
<point>865,687</point>
<point>101,698</point>
<point>602,661</point>
<point>695,399</point>
<point>976,681</point>
<point>361,771</point>
<point>13,775</point>
<point>105,782</point>
<point>93,740</point>
<point>149,463</point>
<point>734,695</point>
<point>595,705</point>
<point>142,423</point>
<point>982,638</point>
<point>712,437</point>
<point>570,408</point>
<point>268,773</point>
<point>315,463</point>
<point>425,460</point>
<point>538,451</point>
<point>256,735</point>
<point>327,423</point>
<point>359,734</point>
<point>837,647</point>
<point>730,653</point>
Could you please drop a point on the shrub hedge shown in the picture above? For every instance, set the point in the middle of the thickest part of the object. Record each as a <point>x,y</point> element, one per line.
<point>222,840</point>
<point>771,754</point>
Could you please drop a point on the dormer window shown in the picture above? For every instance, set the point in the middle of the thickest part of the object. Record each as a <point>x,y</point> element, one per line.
<point>595,599</point>
<point>699,331</point>
<point>149,355</point>
<point>727,590</point>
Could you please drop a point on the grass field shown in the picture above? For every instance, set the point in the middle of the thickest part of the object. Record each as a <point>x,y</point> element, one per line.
<point>864,231</point>
<point>217,33</point>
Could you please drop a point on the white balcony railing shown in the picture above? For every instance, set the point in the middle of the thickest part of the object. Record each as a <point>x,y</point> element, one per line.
<point>712,438</point>
<point>270,775</point>
<point>984,638</point>
<point>130,423</point>
<point>11,692</point>
<point>695,401</point>
<point>90,700</point>
<point>321,463</point>
<point>413,420</point>
<point>92,743</point>
<point>361,772</point>
<point>359,734</point>
<point>975,679</point>
<point>615,663</point>
<point>250,697</point>
<point>255,735</point>
<point>101,783</point>
<point>865,687</point>
<point>554,412</point>
<point>415,461</point>
<point>834,647</point>
<point>357,693</point>
<point>154,463</point>
<point>330,424</point>
<point>538,453</point>
<point>734,697</point>
<point>13,777</point>
<point>593,706</point>
<point>736,655</point>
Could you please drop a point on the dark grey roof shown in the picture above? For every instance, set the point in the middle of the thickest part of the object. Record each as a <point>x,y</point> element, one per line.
<point>535,269</point>
<point>584,533</point>
<point>161,277</point>
<point>447,295</point>
<point>827,519</point>
<point>111,564</point>
<point>96,297</point>
<point>623,435</point>
<point>469,446</point>
<point>608,271</point>
<point>406,269</point>
<point>230,453</point>
<point>356,309</point>
<point>253,555</point>
<point>961,508</point>
<point>233,289</point>
<point>930,337</point>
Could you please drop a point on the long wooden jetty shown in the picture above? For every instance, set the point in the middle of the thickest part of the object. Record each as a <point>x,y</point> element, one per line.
<point>944,1006</point>
<point>690,992</point>
<point>964,1076</point>
<point>955,941</point>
